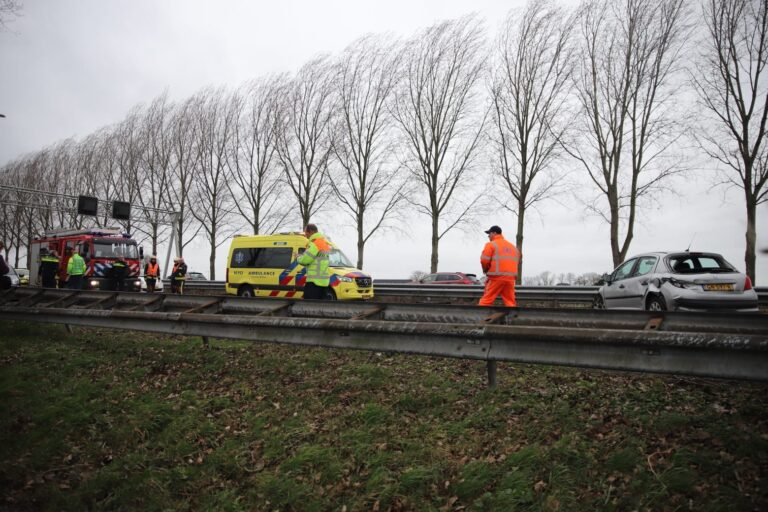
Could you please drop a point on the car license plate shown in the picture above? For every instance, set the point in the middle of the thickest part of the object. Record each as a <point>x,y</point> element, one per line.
<point>722,287</point>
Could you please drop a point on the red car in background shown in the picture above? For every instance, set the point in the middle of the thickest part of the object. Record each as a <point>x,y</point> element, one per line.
<point>449,278</point>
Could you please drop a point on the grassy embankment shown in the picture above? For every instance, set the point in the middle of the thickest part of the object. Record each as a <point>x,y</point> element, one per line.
<point>108,420</point>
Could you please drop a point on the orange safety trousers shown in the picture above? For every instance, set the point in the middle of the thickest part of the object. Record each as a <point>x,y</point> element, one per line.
<point>496,287</point>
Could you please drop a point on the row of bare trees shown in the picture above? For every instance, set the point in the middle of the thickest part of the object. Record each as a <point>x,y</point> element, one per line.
<point>448,125</point>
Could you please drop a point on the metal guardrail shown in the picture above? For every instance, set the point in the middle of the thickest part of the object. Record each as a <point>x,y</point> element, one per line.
<point>397,288</point>
<point>435,292</point>
<point>524,294</point>
<point>713,344</point>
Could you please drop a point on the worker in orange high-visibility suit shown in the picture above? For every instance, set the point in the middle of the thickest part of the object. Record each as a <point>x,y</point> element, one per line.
<point>500,260</point>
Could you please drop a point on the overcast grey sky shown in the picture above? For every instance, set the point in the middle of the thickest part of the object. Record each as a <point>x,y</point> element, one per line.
<point>69,67</point>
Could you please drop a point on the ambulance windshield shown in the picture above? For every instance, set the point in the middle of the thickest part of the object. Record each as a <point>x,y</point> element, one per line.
<point>339,259</point>
<point>115,249</point>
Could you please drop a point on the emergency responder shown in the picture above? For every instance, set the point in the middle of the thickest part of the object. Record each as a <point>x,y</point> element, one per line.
<point>178,275</point>
<point>75,271</point>
<point>500,260</point>
<point>117,274</point>
<point>316,259</point>
<point>49,267</point>
<point>151,273</point>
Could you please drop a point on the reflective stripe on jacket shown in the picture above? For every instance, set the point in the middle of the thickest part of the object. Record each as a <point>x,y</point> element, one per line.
<point>500,259</point>
<point>76,265</point>
<point>48,266</point>
<point>179,272</point>
<point>118,269</point>
<point>49,261</point>
<point>317,260</point>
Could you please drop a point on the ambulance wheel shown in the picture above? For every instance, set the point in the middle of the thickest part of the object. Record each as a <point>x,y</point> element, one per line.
<point>331,295</point>
<point>245,291</point>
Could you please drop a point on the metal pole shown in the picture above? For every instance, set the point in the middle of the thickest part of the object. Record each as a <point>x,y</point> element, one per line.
<point>174,225</point>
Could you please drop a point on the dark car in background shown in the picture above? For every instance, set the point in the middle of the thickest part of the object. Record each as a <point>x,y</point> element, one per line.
<point>677,281</point>
<point>196,276</point>
<point>449,278</point>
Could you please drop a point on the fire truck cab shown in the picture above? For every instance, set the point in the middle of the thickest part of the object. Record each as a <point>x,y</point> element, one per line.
<point>99,247</point>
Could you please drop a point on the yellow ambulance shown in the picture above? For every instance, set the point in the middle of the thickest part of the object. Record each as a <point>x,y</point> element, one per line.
<point>266,266</point>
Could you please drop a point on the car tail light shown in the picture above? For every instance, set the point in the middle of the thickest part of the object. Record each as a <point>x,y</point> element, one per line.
<point>747,284</point>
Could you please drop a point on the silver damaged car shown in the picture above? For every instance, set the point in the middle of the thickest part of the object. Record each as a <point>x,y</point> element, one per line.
<point>677,281</point>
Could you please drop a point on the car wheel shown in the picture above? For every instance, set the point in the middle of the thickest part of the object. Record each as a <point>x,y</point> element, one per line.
<point>245,291</point>
<point>331,295</point>
<point>656,303</point>
<point>598,302</point>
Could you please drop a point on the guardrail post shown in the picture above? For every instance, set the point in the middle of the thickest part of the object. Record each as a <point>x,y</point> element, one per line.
<point>491,365</point>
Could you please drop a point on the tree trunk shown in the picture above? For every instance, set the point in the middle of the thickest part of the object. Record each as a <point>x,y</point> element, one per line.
<point>615,221</point>
<point>360,246</point>
<point>212,261</point>
<point>435,242</point>
<point>519,239</point>
<point>749,254</point>
<point>179,246</point>
<point>29,251</point>
<point>156,240</point>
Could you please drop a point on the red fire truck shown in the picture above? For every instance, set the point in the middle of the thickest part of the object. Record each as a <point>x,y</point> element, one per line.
<point>99,247</point>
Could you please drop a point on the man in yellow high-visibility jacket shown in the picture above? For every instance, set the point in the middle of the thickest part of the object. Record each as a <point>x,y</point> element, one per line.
<point>76,269</point>
<point>317,260</point>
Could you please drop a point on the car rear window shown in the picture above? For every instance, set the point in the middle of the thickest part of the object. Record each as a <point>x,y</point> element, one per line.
<point>698,263</point>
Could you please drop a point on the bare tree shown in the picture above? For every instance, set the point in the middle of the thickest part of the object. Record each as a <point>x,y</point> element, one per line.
<point>437,109</point>
<point>183,169</point>
<point>529,92</point>
<point>626,89</point>
<point>9,9</point>
<point>305,136</point>
<point>97,164</point>
<point>369,188</point>
<point>13,214</point>
<point>252,162</point>
<point>130,145</point>
<point>215,118</point>
<point>545,278</point>
<point>731,84</point>
<point>18,223</point>
<point>155,176</point>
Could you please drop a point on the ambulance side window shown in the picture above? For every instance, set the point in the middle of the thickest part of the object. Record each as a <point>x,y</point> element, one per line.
<point>274,257</point>
<point>244,258</point>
